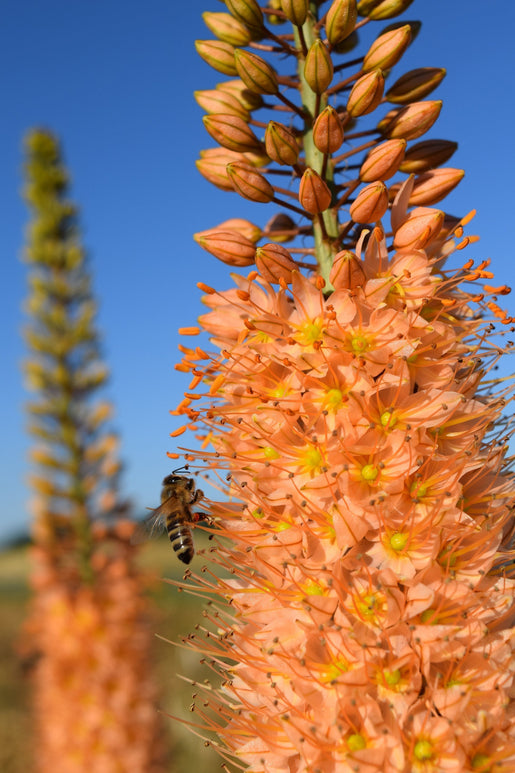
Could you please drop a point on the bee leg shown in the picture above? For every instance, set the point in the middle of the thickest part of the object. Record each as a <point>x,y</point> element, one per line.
<point>196,496</point>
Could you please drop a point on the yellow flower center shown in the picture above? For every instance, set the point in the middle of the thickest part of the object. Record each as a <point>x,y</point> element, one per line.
<point>368,605</point>
<point>388,419</point>
<point>333,399</point>
<point>418,490</point>
<point>312,588</point>
<point>392,678</point>
<point>423,750</point>
<point>310,332</point>
<point>398,541</point>
<point>429,616</point>
<point>481,762</point>
<point>356,742</point>
<point>359,343</point>
<point>332,671</point>
<point>369,472</point>
<point>270,453</point>
<point>311,460</point>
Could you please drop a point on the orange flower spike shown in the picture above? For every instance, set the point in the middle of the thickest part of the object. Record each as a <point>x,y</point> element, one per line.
<point>349,413</point>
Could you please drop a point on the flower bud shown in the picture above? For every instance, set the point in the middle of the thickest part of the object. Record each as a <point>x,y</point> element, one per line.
<point>340,20</point>
<point>427,155</point>
<point>387,49</point>
<point>217,54</point>
<point>413,121</point>
<point>434,186</point>
<point>420,227</point>
<point>228,246</point>
<point>249,99</point>
<point>243,227</point>
<point>346,271</point>
<point>295,11</point>
<point>371,203</point>
<point>415,85</point>
<point>318,67</point>
<point>232,132</point>
<point>366,93</point>
<point>257,75</point>
<point>249,183</point>
<point>281,144</point>
<point>281,228</point>
<point>214,101</point>
<point>273,18</point>
<point>274,262</point>
<point>227,28</point>
<point>383,161</point>
<point>246,11</point>
<point>382,9</point>
<point>314,194</point>
<point>328,131</point>
<point>212,166</point>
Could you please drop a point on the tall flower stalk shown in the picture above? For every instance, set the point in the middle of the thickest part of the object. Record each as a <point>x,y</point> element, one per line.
<point>94,697</point>
<point>363,617</point>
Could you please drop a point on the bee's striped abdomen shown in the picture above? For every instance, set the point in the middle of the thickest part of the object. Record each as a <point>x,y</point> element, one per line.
<point>181,538</point>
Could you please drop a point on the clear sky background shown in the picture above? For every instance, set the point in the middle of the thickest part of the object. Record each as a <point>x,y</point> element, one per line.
<point>114,81</point>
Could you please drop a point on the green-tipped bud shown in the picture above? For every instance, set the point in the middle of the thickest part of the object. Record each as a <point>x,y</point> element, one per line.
<point>419,228</point>
<point>413,121</point>
<point>281,144</point>
<point>314,194</point>
<point>231,132</point>
<point>427,155</point>
<point>214,101</point>
<point>387,49</point>
<point>219,55</point>
<point>415,85</point>
<point>340,20</point>
<point>383,161</point>
<point>249,99</point>
<point>366,94</point>
<point>255,73</point>
<point>249,183</point>
<point>295,11</point>
<point>212,165</point>
<point>318,68</point>
<point>371,203</point>
<point>246,11</point>
<point>228,246</point>
<point>227,28</point>
<point>382,9</point>
<point>346,271</point>
<point>328,131</point>
<point>274,263</point>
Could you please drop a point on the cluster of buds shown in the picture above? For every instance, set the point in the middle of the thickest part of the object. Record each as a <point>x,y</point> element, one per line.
<point>342,179</point>
<point>363,620</point>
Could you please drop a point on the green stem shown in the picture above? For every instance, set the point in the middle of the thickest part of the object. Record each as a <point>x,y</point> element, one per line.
<point>325,227</point>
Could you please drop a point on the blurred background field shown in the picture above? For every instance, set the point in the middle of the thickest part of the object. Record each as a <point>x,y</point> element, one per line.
<point>171,614</point>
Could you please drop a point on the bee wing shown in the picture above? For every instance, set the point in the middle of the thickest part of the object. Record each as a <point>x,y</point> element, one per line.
<point>151,526</point>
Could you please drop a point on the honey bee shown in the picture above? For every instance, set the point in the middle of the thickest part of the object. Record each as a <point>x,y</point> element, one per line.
<point>178,495</point>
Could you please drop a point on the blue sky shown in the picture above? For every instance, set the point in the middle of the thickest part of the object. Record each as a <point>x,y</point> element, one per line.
<point>114,81</point>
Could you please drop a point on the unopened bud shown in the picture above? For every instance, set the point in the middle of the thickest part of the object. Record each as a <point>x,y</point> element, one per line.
<point>318,68</point>
<point>434,186</point>
<point>227,28</point>
<point>256,74</point>
<point>328,131</point>
<point>246,11</point>
<point>281,144</point>
<point>219,55</point>
<point>366,94</point>
<point>420,227</point>
<point>232,132</point>
<point>215,101</point>
<point>295,11</point>
<point>346,271</point>
<point>249,183</point>
<point>314,194</point>
<point>427,155</point>
<point>249,99</point>
<point>281,228</point>
<point>371,203</point>
<point>212,166</point>
<point>274,262</point>
<point>387,49</point>
<point>340,20</point>
<point>413,120</point>
<point>243,227</point>
<point>382,9</point>
<point>415,85</point>
<point>228,246</point>
<point>383,161</point>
